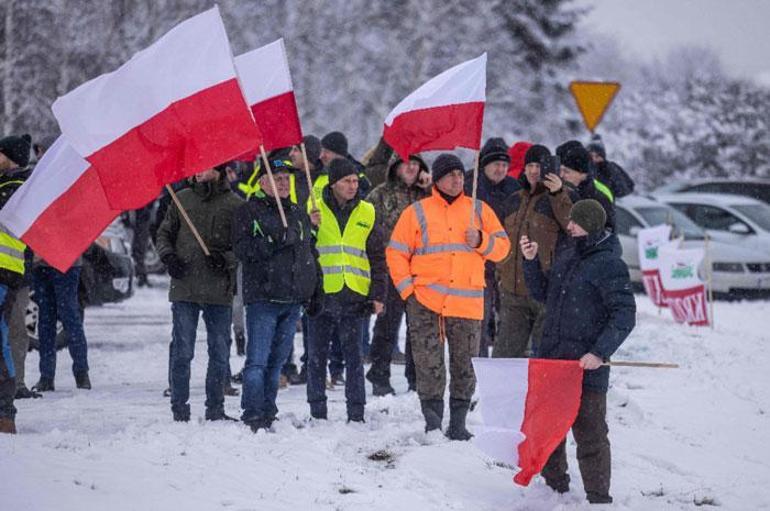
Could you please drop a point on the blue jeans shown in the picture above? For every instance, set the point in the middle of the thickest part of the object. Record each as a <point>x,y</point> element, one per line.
<point>347,329</point>
<point>218,319</point>
<point>7,381</point>
<point>56,295</point>
<point>270,329</point>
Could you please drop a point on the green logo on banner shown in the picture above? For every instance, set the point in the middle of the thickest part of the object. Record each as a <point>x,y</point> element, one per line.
<point>651,253</point>
<point>682,272</point>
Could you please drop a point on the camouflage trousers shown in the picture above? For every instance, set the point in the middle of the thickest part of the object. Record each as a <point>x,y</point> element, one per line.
<point>462,336</point>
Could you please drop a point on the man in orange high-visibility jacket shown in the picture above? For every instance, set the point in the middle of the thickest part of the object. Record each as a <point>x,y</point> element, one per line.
<point>436,260</point>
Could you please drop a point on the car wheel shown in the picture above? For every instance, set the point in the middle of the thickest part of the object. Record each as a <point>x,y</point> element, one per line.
<point>31,321</point>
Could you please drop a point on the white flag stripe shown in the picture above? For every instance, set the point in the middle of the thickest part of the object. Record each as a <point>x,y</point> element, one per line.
<point>502,387</point>
<point>464,83</point>
<point>191,57</point>
<point>59,168</point>
<point>264,72</point>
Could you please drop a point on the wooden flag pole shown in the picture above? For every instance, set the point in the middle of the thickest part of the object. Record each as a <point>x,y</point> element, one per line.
<point>187,219</point>
<point>628,363</point>
<point>273,187</point>
<point>307,175</point>
<point>709,282</point>
<point>475,186</point>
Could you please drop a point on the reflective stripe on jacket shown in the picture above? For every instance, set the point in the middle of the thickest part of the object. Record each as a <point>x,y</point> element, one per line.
<point>428,256</point>
<point>342,255</point>
<point>11,252</point>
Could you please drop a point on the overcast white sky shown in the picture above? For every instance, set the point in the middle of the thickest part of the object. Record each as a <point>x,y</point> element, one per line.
<point>739,30</point>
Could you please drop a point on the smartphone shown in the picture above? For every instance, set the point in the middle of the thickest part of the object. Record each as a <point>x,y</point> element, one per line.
<point>549,165</point>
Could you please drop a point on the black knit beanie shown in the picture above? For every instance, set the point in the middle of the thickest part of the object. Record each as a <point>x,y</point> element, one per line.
<point>536,154</point>
<point>17,149</point>
<point>574,156</point>
<point>494,150</point>
<point>335,142</point>
<point>312,148</point>
<point>444,164</point>
<point>340,168</point>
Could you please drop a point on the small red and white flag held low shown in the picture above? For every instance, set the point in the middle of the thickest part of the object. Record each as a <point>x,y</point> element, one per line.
<point>444,113</point>
<point>267,85</point>
<point>61,208</point>
<point>528,407</point>
<point>175,109</point>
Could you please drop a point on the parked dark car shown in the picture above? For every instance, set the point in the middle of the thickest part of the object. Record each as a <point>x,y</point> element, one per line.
<point>756,187</point>
<point>107,277</point>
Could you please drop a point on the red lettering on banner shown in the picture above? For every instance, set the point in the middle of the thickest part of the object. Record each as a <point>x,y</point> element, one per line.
<point>688,305</point>
<point>654,287</point>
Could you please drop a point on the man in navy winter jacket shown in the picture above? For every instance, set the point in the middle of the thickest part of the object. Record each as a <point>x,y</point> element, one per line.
<point>590,312</point>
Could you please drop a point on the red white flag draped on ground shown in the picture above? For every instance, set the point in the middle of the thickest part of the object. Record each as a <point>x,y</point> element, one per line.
<point>649,241</point>
<point>267,85</point>
<point>683,288</point>
<point>174,109</point>
<point>444,113</point>
<point>528,407</point>
<point>61,208</point>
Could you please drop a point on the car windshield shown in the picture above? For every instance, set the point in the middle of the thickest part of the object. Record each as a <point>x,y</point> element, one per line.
<point>757,213</point>
<point>656,215</point>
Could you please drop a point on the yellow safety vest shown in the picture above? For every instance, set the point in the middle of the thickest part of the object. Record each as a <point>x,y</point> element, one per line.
<point>604,189</point>
<point>342,255</point>
<point>252,186</point>
<point>11,248</point>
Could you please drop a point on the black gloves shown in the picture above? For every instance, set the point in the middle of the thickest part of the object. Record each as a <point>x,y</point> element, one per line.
<point>176,267</point>
<point>216,261</point>
<point>291,236</point>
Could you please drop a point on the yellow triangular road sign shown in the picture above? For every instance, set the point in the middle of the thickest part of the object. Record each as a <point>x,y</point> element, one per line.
<point>593,99</point>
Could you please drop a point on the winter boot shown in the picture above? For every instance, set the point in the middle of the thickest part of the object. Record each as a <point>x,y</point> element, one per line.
<point>7,425</point>
<point>230,390</point>
<point>44,385</point>
<point>298,378</point>
<point>24,393</point>
<point>433,411</point>
<point>82,381</point>
<point>240,344</point>
<point>458,409</point>
<point>596,498</point>
<point>219,416</point>
<point>383,389</point>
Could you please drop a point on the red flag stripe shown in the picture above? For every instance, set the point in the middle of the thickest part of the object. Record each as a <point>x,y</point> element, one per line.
<point>278,121</point>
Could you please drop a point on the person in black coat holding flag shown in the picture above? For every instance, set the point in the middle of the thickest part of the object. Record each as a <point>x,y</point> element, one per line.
<point>590,312</point>
<point>280,274</point>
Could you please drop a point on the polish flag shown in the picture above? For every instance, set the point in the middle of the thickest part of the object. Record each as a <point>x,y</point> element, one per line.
<point>266,82</point>
<point>444,113</point>
<point>528,407</point>
<point>61,208</point>
<point>174,109</point>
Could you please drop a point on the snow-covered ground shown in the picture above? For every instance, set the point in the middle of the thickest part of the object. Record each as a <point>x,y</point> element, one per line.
<point>681,439</point>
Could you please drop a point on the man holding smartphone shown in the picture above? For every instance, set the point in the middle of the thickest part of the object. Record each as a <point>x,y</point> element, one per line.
<point>540,210</point>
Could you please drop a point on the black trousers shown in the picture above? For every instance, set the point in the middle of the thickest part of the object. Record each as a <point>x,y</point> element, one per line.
<point>593,450</point>
<point>385,339</point>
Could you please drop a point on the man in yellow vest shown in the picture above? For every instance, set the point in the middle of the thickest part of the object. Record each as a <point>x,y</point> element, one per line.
<point>352,256</point>
<point>14,153</point>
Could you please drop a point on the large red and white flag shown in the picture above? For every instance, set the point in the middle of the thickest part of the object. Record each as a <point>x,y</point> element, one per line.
<point>528,407</point>
<point>444,113</point>
<point>61,208</point>
<point>683,288</point>
<point>174,109</point>
<point>649,242</point>
<point>267,85</point>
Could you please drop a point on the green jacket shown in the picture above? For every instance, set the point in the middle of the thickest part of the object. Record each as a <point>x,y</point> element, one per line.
<point>210,207</point>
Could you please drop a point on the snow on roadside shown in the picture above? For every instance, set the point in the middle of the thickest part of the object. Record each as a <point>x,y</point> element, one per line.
<point>681,438</point>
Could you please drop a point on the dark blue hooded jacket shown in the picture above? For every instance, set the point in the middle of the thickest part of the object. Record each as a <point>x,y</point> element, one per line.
<point>589,304</point>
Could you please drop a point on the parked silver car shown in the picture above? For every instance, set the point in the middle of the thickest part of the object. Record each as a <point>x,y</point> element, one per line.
<point>737,272</point>
<point>733,219</point>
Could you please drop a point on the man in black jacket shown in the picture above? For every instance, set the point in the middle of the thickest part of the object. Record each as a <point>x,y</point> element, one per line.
<point>590,312</point>
<point>280,274</point>
<point>609,172</point>
<point>579,174</point>
<point>352,256</point>
<point>494,187</point>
